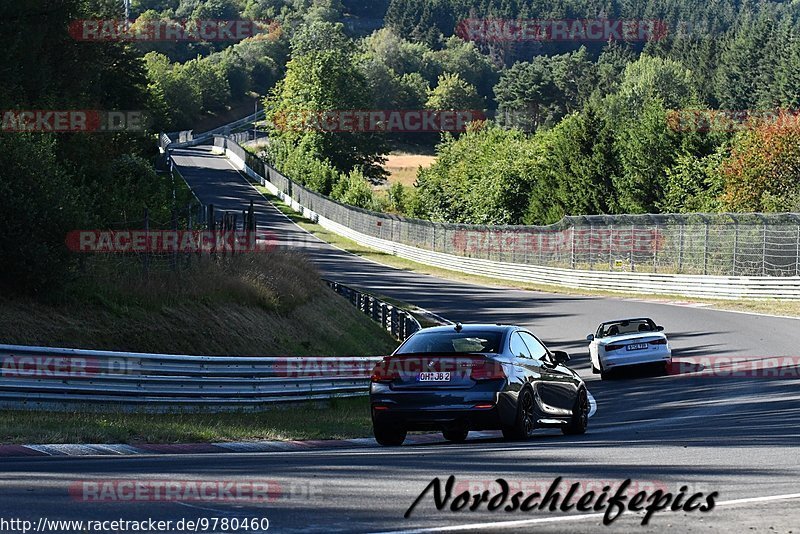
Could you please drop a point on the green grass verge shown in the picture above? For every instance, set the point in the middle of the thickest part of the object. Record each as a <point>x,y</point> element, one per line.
<point>337,419</point>
<point>766,306</point>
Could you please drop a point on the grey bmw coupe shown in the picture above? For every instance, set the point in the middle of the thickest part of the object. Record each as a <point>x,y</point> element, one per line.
<point>475,377</point>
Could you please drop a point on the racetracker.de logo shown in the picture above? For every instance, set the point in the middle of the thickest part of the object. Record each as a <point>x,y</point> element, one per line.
<point>315,367</point>
<point>170,241</point>
<point>644,240</point>
<point>73,121</point>
<point>166,30</point>
<point>736,366</point>
<point>598,30</point>
<point>725,120</point>
<point>137,491</point>
<point>377,121</point>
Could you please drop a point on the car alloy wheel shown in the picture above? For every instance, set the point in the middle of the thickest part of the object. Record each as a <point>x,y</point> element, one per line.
<point>580,415</point>
<point>526,419</point>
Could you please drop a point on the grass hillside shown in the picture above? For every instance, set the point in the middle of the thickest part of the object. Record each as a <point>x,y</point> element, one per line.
<point>253,305</point>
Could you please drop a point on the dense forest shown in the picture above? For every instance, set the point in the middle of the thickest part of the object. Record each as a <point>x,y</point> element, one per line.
<point>573,126</point>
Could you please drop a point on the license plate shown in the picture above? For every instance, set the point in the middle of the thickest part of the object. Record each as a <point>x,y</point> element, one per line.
<point>434,377</point>
<point>637,346</point>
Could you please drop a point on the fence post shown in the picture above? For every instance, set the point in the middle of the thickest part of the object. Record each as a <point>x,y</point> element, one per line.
<point>189,227</point>
<point>174,256</point>
<point>764,251</point>
<point>591,242</point>
<point>633,251</point>
<point>735,243</point>
<point>655,249</point>
<point>797,252</point>
<point>572,248</point>
<point>705,250</point>
<point>610,247</point>
<point>680,247</point>
<point>147,237</point>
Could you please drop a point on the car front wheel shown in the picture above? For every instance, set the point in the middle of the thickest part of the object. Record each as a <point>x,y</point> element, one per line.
<point>389,436</point>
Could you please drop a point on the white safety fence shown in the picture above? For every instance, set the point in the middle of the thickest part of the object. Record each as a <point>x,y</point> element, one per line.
<point>725,287</point>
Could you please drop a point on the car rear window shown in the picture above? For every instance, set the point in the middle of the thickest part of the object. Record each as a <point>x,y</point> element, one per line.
<point>452,342</point>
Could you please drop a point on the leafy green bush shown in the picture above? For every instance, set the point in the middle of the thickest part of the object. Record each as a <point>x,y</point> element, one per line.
<point>38,207</point>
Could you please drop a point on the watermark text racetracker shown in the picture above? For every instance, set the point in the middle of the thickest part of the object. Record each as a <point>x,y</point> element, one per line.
<point>377,120</point>
<point>170,241</point>
<point>495,30</point>
<point>736,366</point>
<point>73,121</point>
<point>169,30</point>
<point>566,496</point>
<point>151,525</point>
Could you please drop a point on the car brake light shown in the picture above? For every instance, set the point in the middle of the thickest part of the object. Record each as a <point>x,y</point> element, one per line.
<point>384,372</point>
<point>609,348</point>
<point>484,406</point>
<point>659,342</point>
<point>488,370</point>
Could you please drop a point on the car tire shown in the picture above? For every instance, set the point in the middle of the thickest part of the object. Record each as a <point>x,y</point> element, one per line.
<point>580,415</point>
<point>456,436</point>
<point>389,436</point>
<point>525,422</point>
<point>595,370</point>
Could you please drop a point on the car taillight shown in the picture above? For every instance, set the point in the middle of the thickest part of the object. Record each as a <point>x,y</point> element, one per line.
<point>659,342</point>
<point>488,370</point>
<point>384,372</point>
<point>609,348</point>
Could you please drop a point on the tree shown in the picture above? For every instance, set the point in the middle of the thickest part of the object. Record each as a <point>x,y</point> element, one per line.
<point>694,184</point>
<point>526,96</point>
<point>581,161</point>
<point>322,76</point>
<point>646,148</point>
<point>484,177</point>
<point>453,93</point>
<point>763,170</point>
<point>353,189</point>
<point>37,210</point>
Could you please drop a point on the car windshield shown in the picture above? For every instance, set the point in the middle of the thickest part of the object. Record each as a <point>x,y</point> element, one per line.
<point>452,342</point>
<point>633,326</point>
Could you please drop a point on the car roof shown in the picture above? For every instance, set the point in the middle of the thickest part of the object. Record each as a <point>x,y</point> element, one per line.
<point>471,327</point>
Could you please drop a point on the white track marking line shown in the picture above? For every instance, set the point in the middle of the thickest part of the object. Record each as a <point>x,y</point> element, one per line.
<point>573,518</point>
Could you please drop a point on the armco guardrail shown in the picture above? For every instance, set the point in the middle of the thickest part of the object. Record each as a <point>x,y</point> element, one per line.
<point>54,378</point>
<point>399,323</point>
<point>392,234</point>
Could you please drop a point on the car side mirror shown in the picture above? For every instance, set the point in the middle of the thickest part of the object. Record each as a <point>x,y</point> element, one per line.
<point>560,356</point>
<point>590,337</point>
<point>659,329</point>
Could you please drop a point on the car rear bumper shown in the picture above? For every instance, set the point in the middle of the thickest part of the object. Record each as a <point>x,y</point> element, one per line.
<point>624,359</point>
<point>415,410</point>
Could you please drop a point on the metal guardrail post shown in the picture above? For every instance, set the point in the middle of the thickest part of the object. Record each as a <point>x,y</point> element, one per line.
<point>735,242</point>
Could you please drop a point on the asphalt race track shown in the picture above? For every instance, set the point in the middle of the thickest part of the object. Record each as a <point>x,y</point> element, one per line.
<point>737,436</point>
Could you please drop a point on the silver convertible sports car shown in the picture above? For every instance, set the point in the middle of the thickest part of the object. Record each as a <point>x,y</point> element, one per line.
<point>627,342</point>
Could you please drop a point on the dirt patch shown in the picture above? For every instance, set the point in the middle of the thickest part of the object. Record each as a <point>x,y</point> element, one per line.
<point>403,167</point>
